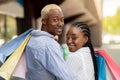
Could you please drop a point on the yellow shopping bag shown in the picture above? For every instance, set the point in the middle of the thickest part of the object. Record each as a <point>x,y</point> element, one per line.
<point>8,67</point>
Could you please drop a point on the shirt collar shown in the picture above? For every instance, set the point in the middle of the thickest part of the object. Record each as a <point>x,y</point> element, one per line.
<point>83,49</point>
<point>41,33</point>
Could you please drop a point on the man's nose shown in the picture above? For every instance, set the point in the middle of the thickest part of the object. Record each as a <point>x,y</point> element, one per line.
<point>60,23</point>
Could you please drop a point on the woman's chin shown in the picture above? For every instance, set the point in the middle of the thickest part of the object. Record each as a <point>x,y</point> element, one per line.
<point>72,50</point>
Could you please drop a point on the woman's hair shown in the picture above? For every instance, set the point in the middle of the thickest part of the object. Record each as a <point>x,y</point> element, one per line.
<point>86,32</point>
<point>47,8</point>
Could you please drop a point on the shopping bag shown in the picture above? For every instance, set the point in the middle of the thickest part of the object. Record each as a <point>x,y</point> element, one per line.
<point>101,64</point>
<point>11,46</point>
<point>8,67</point>
<point>112,66</point>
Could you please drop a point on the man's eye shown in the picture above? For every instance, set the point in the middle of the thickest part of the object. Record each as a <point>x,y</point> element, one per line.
<point>62,20</point>
<point>55,20</point>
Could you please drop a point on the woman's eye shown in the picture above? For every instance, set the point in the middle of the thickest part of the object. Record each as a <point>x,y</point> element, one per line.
<point>67,38</point>
<point>74,38</point>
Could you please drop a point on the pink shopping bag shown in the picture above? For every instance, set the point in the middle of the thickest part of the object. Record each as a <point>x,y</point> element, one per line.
<point>112,66</point>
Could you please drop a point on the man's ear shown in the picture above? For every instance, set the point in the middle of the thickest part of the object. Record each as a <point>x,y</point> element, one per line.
<point>43,21</point>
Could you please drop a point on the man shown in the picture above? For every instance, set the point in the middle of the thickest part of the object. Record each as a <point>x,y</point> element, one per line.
<point>44,56</point>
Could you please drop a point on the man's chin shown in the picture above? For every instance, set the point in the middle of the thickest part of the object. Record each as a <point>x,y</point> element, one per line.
<point>58,33</point>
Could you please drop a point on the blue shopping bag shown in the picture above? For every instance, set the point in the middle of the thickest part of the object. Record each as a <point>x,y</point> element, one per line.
<point>101,64</point>
<point>11,46</point>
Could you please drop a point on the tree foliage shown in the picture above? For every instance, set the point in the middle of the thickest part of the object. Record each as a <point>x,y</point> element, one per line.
<point>111,24</point>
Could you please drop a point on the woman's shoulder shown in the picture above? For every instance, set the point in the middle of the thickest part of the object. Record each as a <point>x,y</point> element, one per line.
<point>83,50</point>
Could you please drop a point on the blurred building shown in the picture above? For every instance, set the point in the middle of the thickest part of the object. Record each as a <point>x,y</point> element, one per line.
<point>27,13</point>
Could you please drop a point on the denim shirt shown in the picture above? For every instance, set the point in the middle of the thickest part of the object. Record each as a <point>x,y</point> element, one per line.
<point>45,60</point>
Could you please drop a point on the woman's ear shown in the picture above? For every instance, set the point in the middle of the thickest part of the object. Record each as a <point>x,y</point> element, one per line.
<point>85,39</point>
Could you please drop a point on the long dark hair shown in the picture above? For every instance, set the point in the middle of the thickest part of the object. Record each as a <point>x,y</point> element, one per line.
<point>86,31</point>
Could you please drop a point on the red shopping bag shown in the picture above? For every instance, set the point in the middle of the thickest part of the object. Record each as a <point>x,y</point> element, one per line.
<point>112,66</point>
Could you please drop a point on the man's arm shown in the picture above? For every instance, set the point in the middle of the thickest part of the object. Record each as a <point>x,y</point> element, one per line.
<point>56,65</point>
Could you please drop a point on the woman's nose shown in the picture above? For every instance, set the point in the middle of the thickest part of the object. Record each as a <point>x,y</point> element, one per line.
<point>69,40</point>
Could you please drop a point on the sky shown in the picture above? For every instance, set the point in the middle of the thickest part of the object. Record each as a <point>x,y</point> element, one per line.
<point>110,7</point>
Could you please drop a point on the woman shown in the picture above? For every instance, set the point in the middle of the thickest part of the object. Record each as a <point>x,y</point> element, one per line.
<point>82,58</point>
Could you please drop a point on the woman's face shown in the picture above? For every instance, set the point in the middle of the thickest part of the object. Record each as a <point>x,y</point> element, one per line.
<point>75,39</point>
